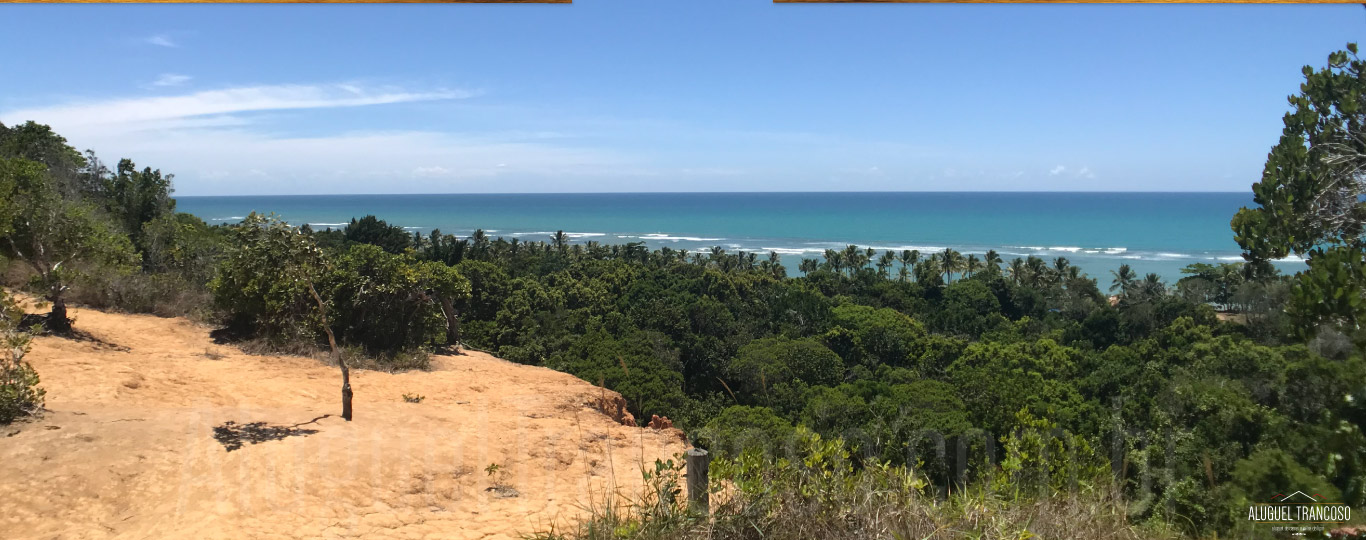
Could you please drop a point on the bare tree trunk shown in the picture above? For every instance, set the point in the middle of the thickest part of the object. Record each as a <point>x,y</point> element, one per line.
<point>57,321</point>
<point>452,323</point>
<point>336,354</point>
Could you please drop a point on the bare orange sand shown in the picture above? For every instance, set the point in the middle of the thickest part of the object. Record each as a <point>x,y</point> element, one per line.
<point>127,449</point>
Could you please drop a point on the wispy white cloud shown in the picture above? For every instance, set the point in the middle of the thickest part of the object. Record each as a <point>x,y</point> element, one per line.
<point>1057,170</point>
<point>432,171</point>
<point>1085,172</point>
<point>220,102</point>
<point>220,141</point>
<point>171,79</point>
<point>161,40</point>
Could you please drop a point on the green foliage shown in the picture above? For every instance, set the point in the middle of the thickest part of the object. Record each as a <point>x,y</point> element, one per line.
<point>1332,292</point>
<point>997,380</point>
<point>36,142</point>
<point>386,303</point>
<point>263,280</point>
<point>770,362</point>
<point>20,395</point>
<point>1042,459</point>
<point>632,367</point>
<point>1211,283</point>
<point>374,231</point>
<point>819,492</point>
<point>742,428</point>
<point>59,239</point>
<point>136,197</point>
<point>872,336</point>
<point>1310,196</point>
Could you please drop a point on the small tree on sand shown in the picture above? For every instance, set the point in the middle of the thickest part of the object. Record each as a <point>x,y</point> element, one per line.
<point>265,283</point>
<point>58,238</point>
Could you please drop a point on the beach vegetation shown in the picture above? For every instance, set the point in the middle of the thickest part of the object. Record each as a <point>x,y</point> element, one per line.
<point>876,394</point>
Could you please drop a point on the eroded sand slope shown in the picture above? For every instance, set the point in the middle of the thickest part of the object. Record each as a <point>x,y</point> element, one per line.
<point>128,449</point>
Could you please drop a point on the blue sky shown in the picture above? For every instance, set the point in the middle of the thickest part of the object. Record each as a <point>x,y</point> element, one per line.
<point>646,95</point>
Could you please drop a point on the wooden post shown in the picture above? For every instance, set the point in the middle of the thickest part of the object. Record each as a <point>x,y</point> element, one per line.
<point>698,493</point>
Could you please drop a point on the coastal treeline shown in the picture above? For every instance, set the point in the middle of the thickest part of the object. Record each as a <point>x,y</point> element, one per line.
<point>1183,402</point>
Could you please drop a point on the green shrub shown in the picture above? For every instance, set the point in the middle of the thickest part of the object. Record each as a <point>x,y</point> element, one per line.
<point>387,303</point>
<point>19,392</point>
<point>741,427</point>
<point>263,279</point>
<point>767,362</point>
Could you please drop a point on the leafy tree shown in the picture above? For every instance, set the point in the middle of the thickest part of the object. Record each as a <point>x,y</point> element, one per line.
<point>37,142</point>
<point>874,336</point>
<point>387,303</point>
<point>631,367</point>
<point>375,231</point>
<point>767,362</point>
<point>742,427</point>
<point>1310,197</point>
<point>137,197</point>
<point>57,238</point>
<point>1212,283</point>
<point>965,308</point>
<point>1332,292</point>
<point>264,278</point>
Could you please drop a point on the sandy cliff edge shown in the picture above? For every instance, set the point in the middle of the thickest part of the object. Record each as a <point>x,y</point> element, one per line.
<point>136,444</point>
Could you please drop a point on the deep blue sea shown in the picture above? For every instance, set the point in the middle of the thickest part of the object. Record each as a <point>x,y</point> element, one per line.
<point>1152,232</point>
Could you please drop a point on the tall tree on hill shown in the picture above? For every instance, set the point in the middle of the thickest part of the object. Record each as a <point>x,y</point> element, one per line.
<point>54,236</point>
<point>1312,197</point>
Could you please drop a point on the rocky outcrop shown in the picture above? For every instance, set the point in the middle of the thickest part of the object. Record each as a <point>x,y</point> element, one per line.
<point>613,405</point>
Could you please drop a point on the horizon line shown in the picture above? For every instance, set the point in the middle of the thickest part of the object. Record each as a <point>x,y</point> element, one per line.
<point>723,193</point>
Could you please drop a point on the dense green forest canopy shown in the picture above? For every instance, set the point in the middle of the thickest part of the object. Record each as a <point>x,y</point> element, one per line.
<point>1196,396</point>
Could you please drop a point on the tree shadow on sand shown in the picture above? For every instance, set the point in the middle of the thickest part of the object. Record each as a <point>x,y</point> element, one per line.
<point>38,322</point>
<point>233,435</point>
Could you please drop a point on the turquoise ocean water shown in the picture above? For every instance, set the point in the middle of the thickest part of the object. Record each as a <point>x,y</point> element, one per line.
<point>1152,232</point>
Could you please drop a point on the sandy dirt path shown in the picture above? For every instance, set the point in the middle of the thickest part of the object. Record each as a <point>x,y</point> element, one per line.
<point>128,449</point>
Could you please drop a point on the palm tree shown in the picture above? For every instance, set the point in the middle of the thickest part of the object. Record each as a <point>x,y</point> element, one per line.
<point>560,240</point>
<point>972,265</point>
<point>1152,286</point>
<point>1060,266</point>
<point>1035,270</point>
<point>1017,271</point>
<point>992,260</point>
<point>1124,280</point>
<point>853,259</point>
<point>928,271</point>
<point>834,260</point>
<point>480,243</point>
<point>884,264</point>
<point>909,258</point>
<point>716,254</point>
<point>807,266</point>
<point>950,262</point>
<point>774,265</point>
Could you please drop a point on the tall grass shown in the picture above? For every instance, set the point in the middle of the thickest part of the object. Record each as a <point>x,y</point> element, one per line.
<point>820,494</point>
